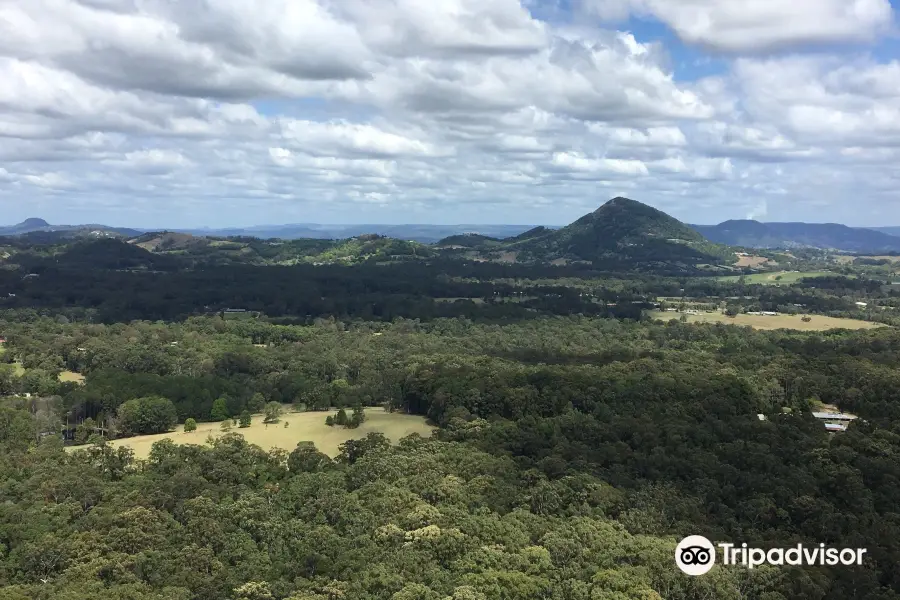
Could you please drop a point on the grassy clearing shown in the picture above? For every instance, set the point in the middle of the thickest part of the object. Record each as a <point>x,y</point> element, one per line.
<point>817,322</point>
<point>751,261</point>
<point>308,426</point>
<point>71,376</point>
<point>777,278</point>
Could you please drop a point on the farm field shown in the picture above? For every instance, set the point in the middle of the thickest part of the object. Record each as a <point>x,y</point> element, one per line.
<point>71,376</point>
<point>306,426</point>
<point>751,261</point>
<point>786,277</point>
<point>818,322</point>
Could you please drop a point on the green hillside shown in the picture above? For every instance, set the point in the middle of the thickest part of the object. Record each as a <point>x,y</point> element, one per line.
<point>622,233</point>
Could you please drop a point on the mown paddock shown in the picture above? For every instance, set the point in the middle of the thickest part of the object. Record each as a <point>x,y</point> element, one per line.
<point>786,277</point>
<point>71,376</point>
<point>306,426</point>
<point>816,323</point>
<point>751,261</point>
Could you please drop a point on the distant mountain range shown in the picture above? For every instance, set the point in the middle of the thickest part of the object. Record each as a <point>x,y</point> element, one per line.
<point>887,230</point>
<point>29,226</point>
<point>754,234</point>
<point>427,234</point>
<point>595,231</point>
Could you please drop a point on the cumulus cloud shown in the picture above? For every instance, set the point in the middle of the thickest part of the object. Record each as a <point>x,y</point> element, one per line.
<point>215,112</point>
<point>760,25</point>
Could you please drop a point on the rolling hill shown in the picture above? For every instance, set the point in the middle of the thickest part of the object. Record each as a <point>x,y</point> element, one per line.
<point>622,233</point>
<point>753,234</point>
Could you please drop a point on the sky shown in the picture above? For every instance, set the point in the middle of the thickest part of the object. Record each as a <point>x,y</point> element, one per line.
<point>191,113</point>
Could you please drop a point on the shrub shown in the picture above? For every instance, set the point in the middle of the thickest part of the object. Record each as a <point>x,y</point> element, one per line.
<point>190,424</point>
<point>219,410</point>
<point>272,412</point>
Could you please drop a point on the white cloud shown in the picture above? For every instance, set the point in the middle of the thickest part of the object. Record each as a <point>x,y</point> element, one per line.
<point>446,27</point>
<point>824,101</point>
<point>158,113</point>
<point>578,163</point>
<point>759,25</point>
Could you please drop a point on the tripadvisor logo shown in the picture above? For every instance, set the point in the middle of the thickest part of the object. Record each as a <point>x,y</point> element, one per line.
<point>696,555</point>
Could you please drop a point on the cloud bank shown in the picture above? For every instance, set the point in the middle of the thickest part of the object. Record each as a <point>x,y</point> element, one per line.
<point>226,112</point>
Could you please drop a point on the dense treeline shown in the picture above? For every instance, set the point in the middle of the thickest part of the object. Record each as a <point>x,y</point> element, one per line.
<point>368,292</point>
<point>666,414</point>
<point>428,520</point>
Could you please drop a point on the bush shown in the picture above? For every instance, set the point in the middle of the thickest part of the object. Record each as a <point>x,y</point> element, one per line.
<point>341,418</point>
<point>329,420</point>
<point>245,420</point>
<point>219,410</point>
<point>357,418</point>
<point>272,412</point>
<point>226,425</point>
<point>190,425</point>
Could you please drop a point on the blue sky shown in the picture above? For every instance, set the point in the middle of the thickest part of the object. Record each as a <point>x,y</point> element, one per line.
<point>452,111</point>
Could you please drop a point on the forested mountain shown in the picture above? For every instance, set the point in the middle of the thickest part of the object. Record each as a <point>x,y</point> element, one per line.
<point>754,234</point>
<point>622,233</point>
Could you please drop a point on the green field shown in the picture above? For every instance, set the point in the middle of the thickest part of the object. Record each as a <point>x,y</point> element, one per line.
<point>777,278</point>
<point>307,426</point>
<point>816,323</point>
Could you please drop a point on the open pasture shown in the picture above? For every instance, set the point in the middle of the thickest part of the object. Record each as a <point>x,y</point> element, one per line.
<point>777,278</point>
<point>816,323</point>
<point>302,427</point>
